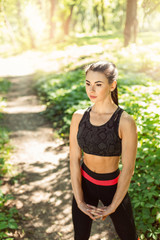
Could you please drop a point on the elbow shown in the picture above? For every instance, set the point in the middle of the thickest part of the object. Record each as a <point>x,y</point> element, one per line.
<point>74,164</point>
<point>129,170</point>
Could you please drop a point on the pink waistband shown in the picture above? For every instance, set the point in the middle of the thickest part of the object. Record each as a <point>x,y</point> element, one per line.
<point>99,182</point>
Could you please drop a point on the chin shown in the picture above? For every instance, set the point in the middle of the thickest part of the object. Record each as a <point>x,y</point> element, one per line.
<point>93,100</point>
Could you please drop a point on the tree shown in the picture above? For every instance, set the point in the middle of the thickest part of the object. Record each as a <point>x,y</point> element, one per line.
<point>96,11</point>
<point>103,16</point>
<point>52,24</point>
<point>150,6</point>
<point>131,24</point>
<point>68,19</point>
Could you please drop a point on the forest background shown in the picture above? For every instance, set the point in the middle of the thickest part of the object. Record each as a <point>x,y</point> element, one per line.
<point>55,40</point>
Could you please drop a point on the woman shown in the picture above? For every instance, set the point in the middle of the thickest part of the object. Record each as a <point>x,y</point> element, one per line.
<point>104,132</point>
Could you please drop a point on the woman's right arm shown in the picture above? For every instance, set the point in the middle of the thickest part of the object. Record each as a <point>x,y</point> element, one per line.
<point>75,157</point>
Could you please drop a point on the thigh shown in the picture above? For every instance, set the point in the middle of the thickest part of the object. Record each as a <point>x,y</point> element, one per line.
<point>106,194</point>
<point>81,222</point>
<point>123,220</point>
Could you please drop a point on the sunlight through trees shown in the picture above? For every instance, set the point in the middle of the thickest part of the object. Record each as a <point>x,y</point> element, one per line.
<point>35,23</point>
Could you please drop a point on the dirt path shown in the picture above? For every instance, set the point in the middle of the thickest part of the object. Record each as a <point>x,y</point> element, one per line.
<point>43,191</point>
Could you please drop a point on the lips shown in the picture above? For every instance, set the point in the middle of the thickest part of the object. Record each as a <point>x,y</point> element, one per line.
<point>92,96</point>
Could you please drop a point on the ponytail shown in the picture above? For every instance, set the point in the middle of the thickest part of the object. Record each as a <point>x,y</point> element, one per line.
<point>114,95</point>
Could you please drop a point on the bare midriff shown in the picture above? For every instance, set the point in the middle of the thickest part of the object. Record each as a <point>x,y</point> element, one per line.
<point>99,164</point>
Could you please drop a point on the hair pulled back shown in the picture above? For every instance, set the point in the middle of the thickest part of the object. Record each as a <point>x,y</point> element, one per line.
<point>111,73</point>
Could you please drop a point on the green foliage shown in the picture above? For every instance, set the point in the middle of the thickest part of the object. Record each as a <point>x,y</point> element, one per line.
<point>5,150</point>
<point>141,102</point>
<point>7,215</point>
<point>4,85</point>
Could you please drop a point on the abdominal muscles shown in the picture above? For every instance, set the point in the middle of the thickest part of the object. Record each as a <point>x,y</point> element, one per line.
<point>99,164</point>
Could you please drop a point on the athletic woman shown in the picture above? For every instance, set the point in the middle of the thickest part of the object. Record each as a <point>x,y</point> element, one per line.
<point>103,132</point>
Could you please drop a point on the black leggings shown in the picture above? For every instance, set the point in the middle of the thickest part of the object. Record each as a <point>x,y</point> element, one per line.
<point>122,218</point>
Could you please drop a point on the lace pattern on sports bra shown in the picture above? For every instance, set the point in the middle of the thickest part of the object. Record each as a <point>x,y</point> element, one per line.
<point>100,140</point>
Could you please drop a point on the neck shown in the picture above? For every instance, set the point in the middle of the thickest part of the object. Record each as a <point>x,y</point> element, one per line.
<point>106,106</point>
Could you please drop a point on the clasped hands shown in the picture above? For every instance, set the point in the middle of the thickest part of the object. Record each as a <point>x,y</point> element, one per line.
<point>96,212</point>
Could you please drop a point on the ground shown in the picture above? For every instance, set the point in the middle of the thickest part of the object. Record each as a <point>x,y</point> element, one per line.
<point>40,161</point>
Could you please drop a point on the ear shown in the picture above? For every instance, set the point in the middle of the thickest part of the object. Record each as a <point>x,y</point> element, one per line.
<point>113,86</point>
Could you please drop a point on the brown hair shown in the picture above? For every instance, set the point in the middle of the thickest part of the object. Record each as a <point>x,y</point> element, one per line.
<point>110,71</point>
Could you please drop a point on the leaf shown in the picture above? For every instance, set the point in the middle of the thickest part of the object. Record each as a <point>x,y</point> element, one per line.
<point>2,216</point>
<point>3,225</point>
<point>3,235</point>
<point>158,217</point>
<point>9,197</point>
<point>12,224</point>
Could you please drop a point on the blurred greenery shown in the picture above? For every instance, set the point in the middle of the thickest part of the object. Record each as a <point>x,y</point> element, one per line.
<point>4,85</point>
<point>20,21</point>
<point>7,215</point>
<point>139,91</point>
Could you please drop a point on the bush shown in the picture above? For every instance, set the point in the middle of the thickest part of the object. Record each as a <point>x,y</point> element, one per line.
<point>7,215</point>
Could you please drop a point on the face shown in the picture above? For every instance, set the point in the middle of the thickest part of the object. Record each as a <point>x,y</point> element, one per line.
<point>97,86</point>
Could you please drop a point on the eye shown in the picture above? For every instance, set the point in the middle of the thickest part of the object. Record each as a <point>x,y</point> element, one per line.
<point>88,84</point>
<point>99,85</point>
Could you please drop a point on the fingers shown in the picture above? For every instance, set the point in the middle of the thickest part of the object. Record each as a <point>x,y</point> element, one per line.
<point>95,209</point>
<point>91,207</point>
<point>101,212</point>
<point>87,210</point>
<point>94,212</point>
<point>90,214</point>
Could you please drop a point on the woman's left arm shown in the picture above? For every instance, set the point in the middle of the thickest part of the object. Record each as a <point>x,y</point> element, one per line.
<point>129,149</point>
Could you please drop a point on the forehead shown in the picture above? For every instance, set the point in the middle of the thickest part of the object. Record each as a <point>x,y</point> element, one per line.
<point>95,76</point>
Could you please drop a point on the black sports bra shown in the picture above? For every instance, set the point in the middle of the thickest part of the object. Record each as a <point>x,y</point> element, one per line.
<point>100,140</point>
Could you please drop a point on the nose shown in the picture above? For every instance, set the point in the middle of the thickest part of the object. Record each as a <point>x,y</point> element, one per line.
<point>92,88</point>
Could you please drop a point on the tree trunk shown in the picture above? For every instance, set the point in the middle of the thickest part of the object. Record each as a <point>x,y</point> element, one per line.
<point>68,20</point>
<point>52,24</point>
<point>103,17</point>
<point>131,25</point>
<point>20,19</point>
<point>31,37</point>
<point>97,17</point>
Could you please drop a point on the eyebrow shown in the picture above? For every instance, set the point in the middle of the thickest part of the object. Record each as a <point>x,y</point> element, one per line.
<point>95,82</point>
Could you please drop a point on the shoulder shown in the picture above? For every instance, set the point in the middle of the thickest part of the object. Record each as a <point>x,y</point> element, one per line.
<point>127,122</point>
<point>127,118</point>
<point>77,116</point>
<point>79,113</point>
